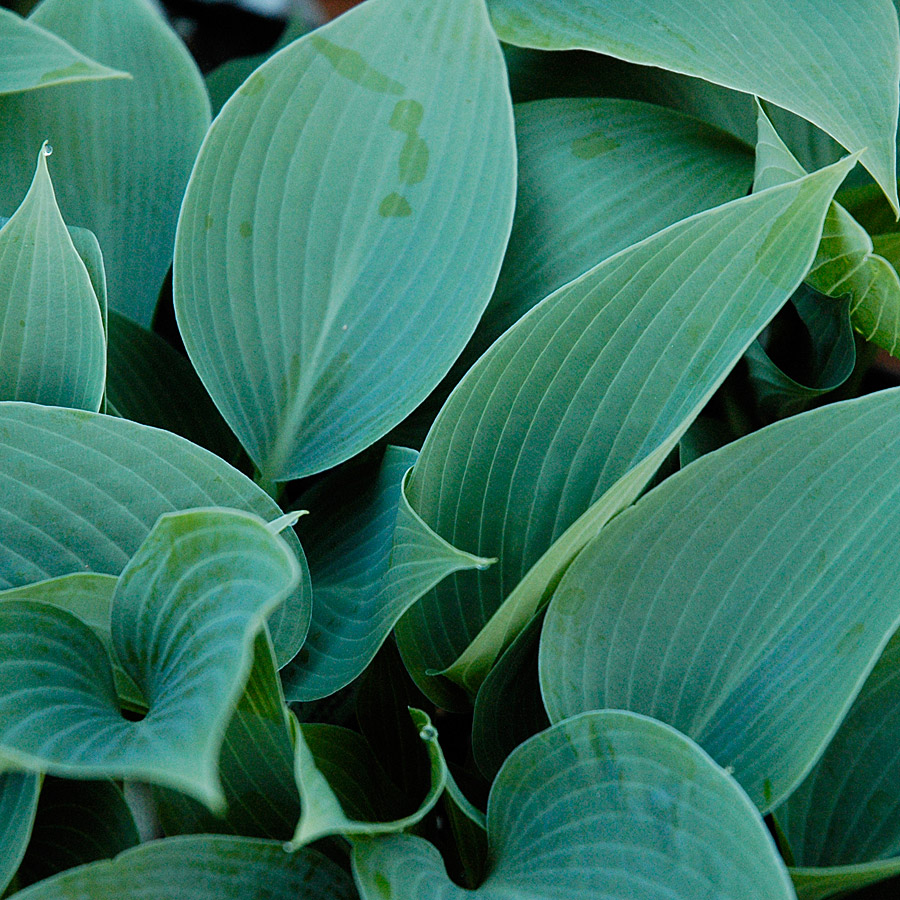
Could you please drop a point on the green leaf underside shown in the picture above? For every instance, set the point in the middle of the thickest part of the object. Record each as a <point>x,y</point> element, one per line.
<point>18,802</point>
<point>201,868</point>
<point>184,615</point>
<point>371,557</point>
<point>832,357</point>
<point>77,822</point>
<point>32,57</point>
<point>566,417</point>
<point>148,381</point>
<point>94,488</point>
<point>842,821</point>
<point>343,788</point>
<point>845,263</point>
<point>350,137</point>
<point>52,342</point>
<point>256,766</point>
<point>604,805</point>
<point>126,180</point>
<point>826,62</point>
<point>750,614</point>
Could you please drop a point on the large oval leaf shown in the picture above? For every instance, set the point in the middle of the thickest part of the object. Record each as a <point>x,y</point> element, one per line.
<point>564,420</point>
<point>837,65</point>
<point>52,342</point>
<point>334,252</point>
<point>32,57</point>
<point>128,145</point>
<point>80,492</point>
<point>606,804</point>
<point>746,598</point>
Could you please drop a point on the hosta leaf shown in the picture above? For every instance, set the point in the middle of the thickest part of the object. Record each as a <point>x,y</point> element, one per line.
<point>352,138</point>
<point>845,264</point>
<point>52,341</point>
<point>184,616</point>
<point>595,176</point>
<point>371,557</point>
<point>128,146</point>
<point>607,804</point>
<point>343,789</point>
<point>564,420</point>
<point>827,356</point>
<point>748,615</point>
<point>256,766</point>
<point>835,65</point>
<point>77,822</point>
<point>32,57</point>
<point>18,802</point>
<point>148,381</point>
<point>95,486</point>
<point>842,821</point>
<point>207,867</point>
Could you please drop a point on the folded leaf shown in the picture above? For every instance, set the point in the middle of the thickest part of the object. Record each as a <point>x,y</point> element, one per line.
<point>32,57</point>
<point>95,487</point>
<point>749,612</point>
<point>201,868</point>
<point>607,804</point>
<point>845,264</point>
<point>18,802</point>
<point>185,613</point>
<point>837,65</point>
<point>340,782</point>
<point>564,420</point>
<point>351,138</point>
<point>371,558</point>
<point>52,342</point>
<point>124,180</point>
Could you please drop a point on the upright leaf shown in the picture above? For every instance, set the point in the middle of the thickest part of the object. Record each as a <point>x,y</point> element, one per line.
<point>371,558</point>
<point>32,57</point>
<point>52,342</point>
<point>128,145</point>
<point>96,485</point>
<point>837,65</point>
<point>207,867</point>
<point>607,804</point>
<point>746,598</point>
<point>564,420</point>
<point>351,138</point>
<point>185,613</point>
<point>18,802</point>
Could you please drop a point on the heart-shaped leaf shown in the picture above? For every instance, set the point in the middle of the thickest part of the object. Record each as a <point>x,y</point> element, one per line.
<point>351,138</point>
<point>606,804</point>
<point>748,614</point>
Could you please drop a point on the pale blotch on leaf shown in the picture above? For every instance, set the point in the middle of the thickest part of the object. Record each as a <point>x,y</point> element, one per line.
<point>351,65</point>
<point>252,86</point>
<point>593,145</point>
<point>395,207</point>
<point>246,229</point>
<point>406,119</point>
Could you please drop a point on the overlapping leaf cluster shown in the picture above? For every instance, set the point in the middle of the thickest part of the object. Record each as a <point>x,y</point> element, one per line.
<point>596,596</point>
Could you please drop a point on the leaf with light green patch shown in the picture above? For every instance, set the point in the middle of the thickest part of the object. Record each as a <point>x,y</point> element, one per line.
<point>186,610</point>
<point>344,790</point>
<point>563,421</point>
<point>52,340</point>
<point>96,486</point>
<point>371,558</point>
<point>845,264</point>
<point>207,867</point>
<point>32,57</point>
<point>836,65</point>
<point>746,598</point>
<point>124,180</point>
<point>351,138</point>
<point>607,804</point>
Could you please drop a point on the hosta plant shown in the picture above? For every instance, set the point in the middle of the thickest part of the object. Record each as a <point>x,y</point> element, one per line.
<point>500,499</point>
